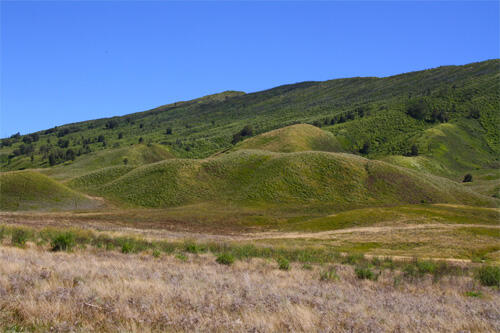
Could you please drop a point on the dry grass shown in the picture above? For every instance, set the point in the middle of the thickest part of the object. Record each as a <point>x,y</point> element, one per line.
<point>93,290</point>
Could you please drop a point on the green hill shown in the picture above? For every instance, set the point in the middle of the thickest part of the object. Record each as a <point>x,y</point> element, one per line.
<point>294,138</point>
<point>372,113</point>
<point>253,178</point>
<point>130,156</point>
<point>28,190</point>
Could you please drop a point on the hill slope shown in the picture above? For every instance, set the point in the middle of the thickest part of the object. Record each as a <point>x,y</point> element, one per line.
<point>28,190</point>
<point>294,138</point>
<point>371,112</point>
<point>286,180</point>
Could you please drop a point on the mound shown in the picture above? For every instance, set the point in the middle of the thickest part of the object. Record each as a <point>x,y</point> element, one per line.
<point>257,178</point>
<point>295,138</point>
<point>134,155</point>
<point>27,190</point>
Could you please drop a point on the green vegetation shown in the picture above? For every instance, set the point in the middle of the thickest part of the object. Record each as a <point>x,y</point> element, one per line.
<point>427,110</point>
<point>365,273</point>
<point>28,190</point>
<point>256,178</point>
<point>295,138</point>
<point>489,276</point>
<point>63,241</point>
<point>225,259</point>
<point>283,263</point>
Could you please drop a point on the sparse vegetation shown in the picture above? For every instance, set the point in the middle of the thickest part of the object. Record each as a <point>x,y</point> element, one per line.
<point>225,259</point>
<point>489,276</point>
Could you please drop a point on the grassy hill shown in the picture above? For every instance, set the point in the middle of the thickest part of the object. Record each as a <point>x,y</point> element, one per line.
<point>130,156</point>
<point>28,190</point>
<point>294,138</point>
<point>458,101</point>
<point>253,178</point>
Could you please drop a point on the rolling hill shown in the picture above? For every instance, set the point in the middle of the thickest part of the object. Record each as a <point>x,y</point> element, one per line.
<point>360,112</point>
<point>330,145</point>
<point>256,178</point>
<point>294,138</point>
<point>29,190</point>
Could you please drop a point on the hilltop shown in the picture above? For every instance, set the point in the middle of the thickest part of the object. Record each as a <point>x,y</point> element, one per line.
<point>294,138</point>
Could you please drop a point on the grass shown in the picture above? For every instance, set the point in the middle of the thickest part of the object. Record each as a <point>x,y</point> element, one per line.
<point>489,276</point>
<point>30,190</point>
<point>265,179</point>
<point>205,126</point>
<point>295,138</point>
<point>225,259</point>
<point>87,290</point>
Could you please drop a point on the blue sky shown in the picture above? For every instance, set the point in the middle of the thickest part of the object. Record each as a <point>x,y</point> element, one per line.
<point>70,61</point>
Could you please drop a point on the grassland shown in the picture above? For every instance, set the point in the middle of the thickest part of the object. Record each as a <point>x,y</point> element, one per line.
<point>125,283</point>
<point>29,190</point>
<point>342,209</point>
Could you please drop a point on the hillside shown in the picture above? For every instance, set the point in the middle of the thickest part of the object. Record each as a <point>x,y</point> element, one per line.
<point>448,115</point>
<point>294,138</point>
<point>253,178</point>
<point>27,190</point>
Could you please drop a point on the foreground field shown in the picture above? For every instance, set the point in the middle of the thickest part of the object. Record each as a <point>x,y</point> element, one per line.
<point>111,291</point>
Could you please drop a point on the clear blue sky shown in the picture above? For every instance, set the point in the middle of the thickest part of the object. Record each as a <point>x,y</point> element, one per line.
<point>69,61</point>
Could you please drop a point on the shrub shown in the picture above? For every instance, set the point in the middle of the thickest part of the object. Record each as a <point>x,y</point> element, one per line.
<point>63,242</point>
<point>19,237</point>
<point>127,247</point>
<point>474,294</point>
<point>2,233</point>
<point>283,264</point>
<point>191,247</point>
<point>353,259</point>
<point>410,271</point>
<point>307,267</point>
<point>489,276</point>
<point>329,275</point>
<point>156,253</point>
<point>467,178</point>
<point>424,267</point>
<point>365,273</point>
<point>225,259</point>
<point>181,257</point>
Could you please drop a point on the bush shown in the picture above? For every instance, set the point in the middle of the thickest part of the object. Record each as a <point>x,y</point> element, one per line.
<point>489,276</point>
<point>283,264</point>
<point>191,247</point>
<point>329,275</point>
<point>225,259</point>
<point>19,237</point>
<point>467,178</point>
<point>156,253</point>
<point>365,273</point>
<point>63,242</point>
<point>127,247</point>
<point>353,259</point>
<point>424,267</point>
<point>181,257</point>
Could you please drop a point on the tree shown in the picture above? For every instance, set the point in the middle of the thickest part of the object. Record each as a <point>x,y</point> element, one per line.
<point>414,150</point>
<point>100,138</point>
<point>168,131</point>
<point>70,155</point>
<point>125,161</point>
<point>246,131</point>
<point>110,124</point>
<point>141,140</point>
<point>417,108</point>
<point>120,135</point>
<point>467,178</point>
<point>365,149</point>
